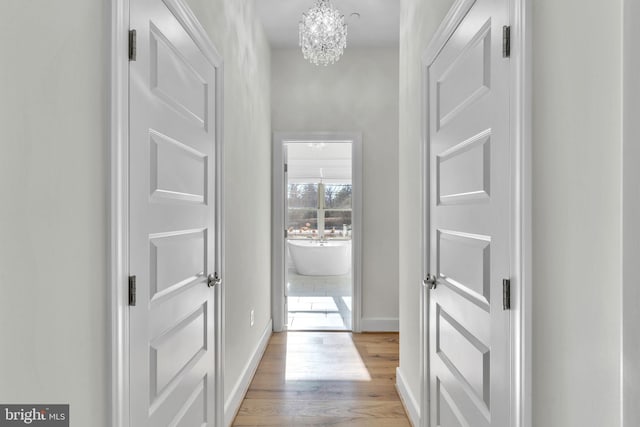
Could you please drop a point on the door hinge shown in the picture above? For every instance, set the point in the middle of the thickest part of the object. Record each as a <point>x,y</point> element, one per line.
<point>286,168</point>
<point>132,290</point>
<point>132,45</point>
<point>286,233</point>
<point>506,294</point>
<point>506,41</point>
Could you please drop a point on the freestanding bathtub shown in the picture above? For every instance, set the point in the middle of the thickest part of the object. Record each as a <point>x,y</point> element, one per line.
<point>315,258</point>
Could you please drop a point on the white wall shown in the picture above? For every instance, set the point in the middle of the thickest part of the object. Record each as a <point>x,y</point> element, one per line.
<point>631,216</point>
<point>53,214</point>
<point>419,19</point>
<point>358,93</point>
<point>576,212</point>
<point>54,190</point>
<point>576,199</point>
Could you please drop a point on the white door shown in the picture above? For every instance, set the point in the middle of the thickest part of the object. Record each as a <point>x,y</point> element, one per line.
<point>172,223</point>
<point>469,212</point>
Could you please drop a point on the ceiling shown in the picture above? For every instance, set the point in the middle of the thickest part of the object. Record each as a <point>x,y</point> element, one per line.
<point>316,162</point>
<point>377,26</point>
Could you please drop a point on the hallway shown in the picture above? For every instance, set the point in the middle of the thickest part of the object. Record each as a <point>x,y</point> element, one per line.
<point>325,379</point>
<point>115,304</point>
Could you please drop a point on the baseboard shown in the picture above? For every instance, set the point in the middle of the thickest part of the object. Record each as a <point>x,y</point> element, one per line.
<point>379,324</point>
<point>232,405</point>
<point>408,400</point>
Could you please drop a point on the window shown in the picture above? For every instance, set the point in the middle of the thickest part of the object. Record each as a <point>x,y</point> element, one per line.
<point>337,196</point>
<point>302,217</point>
<point>319,210</point>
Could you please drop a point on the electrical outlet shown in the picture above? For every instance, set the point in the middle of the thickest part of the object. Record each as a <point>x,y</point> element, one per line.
<point>252,317</point>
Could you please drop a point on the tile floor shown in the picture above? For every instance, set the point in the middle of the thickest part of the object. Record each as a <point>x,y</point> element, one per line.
<point>318,302</point>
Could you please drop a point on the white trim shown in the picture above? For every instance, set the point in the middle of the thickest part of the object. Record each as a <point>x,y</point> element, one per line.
<point>630,223</point>
<point>278,251</point>
<point>425,389</point>
<point>119,202</point>
<point>356,229</point>
<point>522,297</point>
<point>220,307</point>
<point>196,31</point>
<point>408,400</point>
<point>220,245</point>
<point>450,22</point>
<point>237,394</point>
<point>521,245</point>
<point>278,257</point>
<point>119,213</point>
<point>380,324</point>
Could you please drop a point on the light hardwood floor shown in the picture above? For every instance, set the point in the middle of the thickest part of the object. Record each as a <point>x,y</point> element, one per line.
<point>325,379</point>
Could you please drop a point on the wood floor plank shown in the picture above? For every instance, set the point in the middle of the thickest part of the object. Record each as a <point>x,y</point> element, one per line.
<point>329,390</point>
<point>314,408</point>
<point>325,379</point>
<point>256,421</point>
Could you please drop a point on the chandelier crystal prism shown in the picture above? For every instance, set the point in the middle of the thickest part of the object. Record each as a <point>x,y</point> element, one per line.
<point>323,34</point>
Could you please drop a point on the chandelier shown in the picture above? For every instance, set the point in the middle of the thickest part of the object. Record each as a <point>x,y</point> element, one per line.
<point>323,34</point>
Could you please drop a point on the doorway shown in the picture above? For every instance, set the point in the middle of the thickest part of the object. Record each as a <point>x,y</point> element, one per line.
<point>317,231</point>
<point>167,255</point>
<point>475,303</point>
<point>318,224</point>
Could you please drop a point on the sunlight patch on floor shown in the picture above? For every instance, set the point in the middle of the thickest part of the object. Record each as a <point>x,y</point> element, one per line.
<point>303,364</point>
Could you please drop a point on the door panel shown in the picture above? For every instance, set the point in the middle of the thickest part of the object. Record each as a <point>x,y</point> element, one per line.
<point>178,172</point>
<point>448,412</point>
<point>467,78</point>
<point>174,79</point>
<point>176,261</point>
<point>172,223</point>
<point>474,157</point>
<point>471,276</point>
<point>469,209</point>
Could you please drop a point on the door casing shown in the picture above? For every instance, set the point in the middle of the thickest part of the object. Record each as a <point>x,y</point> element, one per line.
<point>521,217</point>
<point>278,225</point>
<point>119,205</point>
<point>630,342</point>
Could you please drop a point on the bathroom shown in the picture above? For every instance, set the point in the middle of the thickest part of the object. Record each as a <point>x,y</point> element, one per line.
<point>319,280</point>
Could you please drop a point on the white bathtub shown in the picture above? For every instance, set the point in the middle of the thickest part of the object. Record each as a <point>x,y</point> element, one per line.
<point>312,258</point>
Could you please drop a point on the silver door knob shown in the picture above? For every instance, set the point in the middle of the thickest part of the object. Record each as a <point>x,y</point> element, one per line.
<point>430,281</point>
<point>213,280</point>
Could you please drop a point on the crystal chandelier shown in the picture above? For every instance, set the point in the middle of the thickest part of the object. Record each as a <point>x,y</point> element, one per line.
<point>323,34</point>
